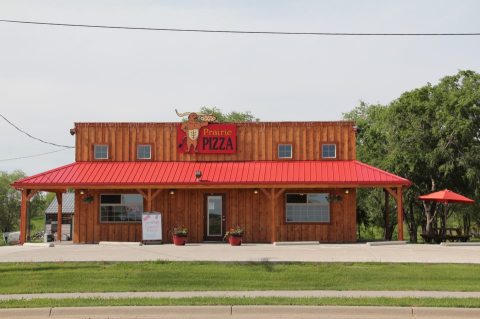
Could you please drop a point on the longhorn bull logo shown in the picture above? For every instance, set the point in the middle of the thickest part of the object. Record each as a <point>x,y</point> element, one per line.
<point>192,128</point>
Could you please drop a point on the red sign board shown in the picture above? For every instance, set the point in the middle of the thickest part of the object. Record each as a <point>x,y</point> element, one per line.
<point>207,139</point>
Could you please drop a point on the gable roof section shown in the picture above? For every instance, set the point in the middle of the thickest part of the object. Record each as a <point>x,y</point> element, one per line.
<point>254,173</point>
<point>68,204</point>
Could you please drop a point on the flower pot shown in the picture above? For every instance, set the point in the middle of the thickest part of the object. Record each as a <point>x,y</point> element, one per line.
<point>235,240</point>
<point>179,240</point>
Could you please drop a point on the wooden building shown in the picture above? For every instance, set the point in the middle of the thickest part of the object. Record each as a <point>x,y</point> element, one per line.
<point>280,181</point>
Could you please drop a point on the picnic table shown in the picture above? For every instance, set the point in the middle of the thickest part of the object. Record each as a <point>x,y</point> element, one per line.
<point>451,234</point>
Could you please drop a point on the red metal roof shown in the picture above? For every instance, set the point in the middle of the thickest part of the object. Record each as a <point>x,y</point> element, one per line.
<point>91,174</point>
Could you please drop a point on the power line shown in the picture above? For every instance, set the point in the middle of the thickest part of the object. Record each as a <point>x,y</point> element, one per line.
<point>33,137</point>
<point>238,31</point>
<point>35,155</point>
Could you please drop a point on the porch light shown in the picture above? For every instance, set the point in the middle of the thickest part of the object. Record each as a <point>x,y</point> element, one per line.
<point>255,191</point>
<point>347,191</point>
<point>198,175</point>
<point>171,192</point>
<point>82,192</point>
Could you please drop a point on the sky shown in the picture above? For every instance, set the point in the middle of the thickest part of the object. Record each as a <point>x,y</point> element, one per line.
<point>52,77</point>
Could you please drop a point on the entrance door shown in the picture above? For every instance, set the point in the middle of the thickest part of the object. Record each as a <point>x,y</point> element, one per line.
<point>214,217</point>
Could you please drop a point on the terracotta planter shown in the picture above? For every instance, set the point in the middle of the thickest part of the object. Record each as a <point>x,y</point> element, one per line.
<point>235,241</point>
<point>179,240</point>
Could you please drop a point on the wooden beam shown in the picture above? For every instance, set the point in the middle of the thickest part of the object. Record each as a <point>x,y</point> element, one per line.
<point>273,198</point>
<point>23,217</point>
<point>280,192</point>
<point>31,193</point>
<point>264,191</point>
<point>59,215</point>
<point>387,214</point>
<point>141,192</point>
<point>391,191</point>
<point>156,193</point>
<point>149,200</point>
<point>400,212</point>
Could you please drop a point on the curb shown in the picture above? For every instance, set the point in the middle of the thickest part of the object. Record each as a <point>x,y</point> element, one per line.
<point>266,312</point>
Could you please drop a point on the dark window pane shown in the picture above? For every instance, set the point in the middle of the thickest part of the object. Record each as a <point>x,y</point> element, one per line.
<point>144,152</point>
<point>329,151</point>
<point>284,151</point>
<point>101,151</point>
<point>111,199</point>
<point>303,208</point>
<point>121,208</point>
<point>296,198</point>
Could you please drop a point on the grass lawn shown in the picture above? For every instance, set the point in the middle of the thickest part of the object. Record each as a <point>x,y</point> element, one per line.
<point>391,302</point>
<point>200,276</point>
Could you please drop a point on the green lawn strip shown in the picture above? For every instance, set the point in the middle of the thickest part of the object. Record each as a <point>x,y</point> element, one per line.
<point>200,301</point>
<point>203,276</point>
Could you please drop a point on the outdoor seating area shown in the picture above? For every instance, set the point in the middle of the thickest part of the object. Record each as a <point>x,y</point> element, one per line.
<point>451,235</point>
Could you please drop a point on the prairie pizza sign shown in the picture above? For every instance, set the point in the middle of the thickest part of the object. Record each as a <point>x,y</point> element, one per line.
<point>199,135</point>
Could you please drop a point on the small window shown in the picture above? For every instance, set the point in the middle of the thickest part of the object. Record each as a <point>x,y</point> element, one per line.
<point>307,208</point>
<point>329,151</point>
<point>144,152</point>
<point>122,208</point>
<point>101,151</point>
<point>285,151</point>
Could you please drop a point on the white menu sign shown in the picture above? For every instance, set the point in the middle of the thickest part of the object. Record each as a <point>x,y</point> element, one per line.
<point>152,226</point>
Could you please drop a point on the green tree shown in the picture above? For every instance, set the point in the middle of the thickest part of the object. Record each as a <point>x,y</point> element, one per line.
<point>430,135</point>
<point>233,116</point>
<point>10,200</point>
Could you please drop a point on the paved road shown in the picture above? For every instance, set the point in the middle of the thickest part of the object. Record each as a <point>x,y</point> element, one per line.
<point>270,293</point>
<point>240,312</point>
<point>250,252</point>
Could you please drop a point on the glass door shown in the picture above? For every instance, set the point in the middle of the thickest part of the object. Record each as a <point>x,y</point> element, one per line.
<point>214,217</point>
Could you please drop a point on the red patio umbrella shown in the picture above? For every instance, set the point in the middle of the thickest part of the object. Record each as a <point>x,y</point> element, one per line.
<point>446,196</point>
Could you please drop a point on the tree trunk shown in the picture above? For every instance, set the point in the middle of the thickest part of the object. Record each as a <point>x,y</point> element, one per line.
<point>412,224</point>
<point>466,224</point>
<point>429,210</point>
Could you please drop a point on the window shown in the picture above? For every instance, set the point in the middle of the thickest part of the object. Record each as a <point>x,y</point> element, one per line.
<point>285,151</point>
<point>310,208</point>
<point>144,152</point>
<point>121,208</point>
<point>329,151</point>
<point>101,151</point>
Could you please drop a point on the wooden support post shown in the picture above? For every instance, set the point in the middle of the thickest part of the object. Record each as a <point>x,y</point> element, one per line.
<point>149,200</point>
<point>397,194</point>
<point>23,217</point>
<point>387,214</point>
<point>400,212</point>
<point>59,215</point>
<point>273,198</point>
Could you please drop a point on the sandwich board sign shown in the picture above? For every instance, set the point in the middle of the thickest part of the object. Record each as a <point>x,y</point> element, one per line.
<point>151,226</point>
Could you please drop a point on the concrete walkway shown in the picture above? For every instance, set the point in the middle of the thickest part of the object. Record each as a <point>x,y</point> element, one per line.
<point>253,294</point>
<point>409,253</point>
<point>265,312</point>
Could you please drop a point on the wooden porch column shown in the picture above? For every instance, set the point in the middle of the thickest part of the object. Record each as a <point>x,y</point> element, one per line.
<point>23,217</point>
<point>273,235</point>
<point>397,194</point>
<point>387,214</point>
<point>59,215</point>
<point>400,212</point>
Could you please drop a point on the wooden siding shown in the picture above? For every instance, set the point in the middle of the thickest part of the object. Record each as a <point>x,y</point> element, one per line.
<point>255,141</point>
<point>243,207</point>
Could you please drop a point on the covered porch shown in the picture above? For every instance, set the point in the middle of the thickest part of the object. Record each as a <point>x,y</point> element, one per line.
<point>254,196</point>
